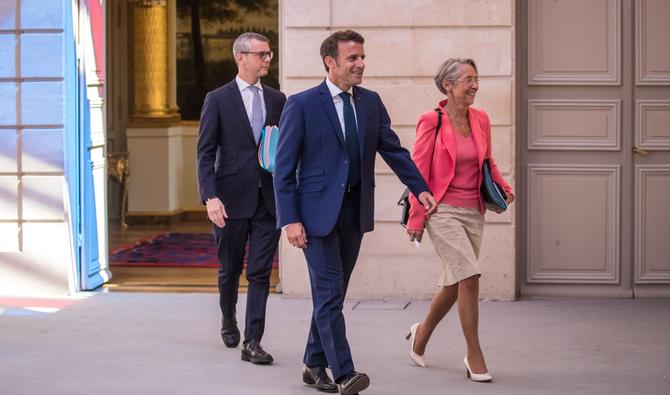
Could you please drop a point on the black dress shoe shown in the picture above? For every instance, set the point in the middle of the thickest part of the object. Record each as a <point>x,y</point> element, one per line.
<point>229,333</point>
<point>353,382</point>
<point>318,378</point>
<point>254,353</point>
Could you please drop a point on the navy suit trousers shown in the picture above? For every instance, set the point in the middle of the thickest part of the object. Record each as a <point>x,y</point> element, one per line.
<point>331,260</point>
<point>231,241</point>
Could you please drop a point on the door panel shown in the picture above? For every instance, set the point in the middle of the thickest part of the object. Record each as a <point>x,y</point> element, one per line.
<point>594,124</point>
<point>574,230</point>
<point>570,50</point>
<point>652,37</point>
<point>653,118</point>
<point>652,224</point>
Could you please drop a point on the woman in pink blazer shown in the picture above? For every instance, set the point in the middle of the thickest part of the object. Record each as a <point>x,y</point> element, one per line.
<point>451,162</point>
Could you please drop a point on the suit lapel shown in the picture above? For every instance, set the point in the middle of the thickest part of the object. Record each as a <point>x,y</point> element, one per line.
<point>360,120</point>
<point>329,106</point>
<point>236,99</point>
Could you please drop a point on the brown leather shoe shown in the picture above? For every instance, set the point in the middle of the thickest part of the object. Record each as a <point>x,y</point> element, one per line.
<point>254,353</point>
<point>317,377</point>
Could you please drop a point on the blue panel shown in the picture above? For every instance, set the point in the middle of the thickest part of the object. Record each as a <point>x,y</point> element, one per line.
<point>71,146</point>
<point>42,14</point>
<point>7,103</point>
<point>90,257</point>
<point>78,166</point>
<point>7,14</point>
<point>42,55</point>
<point>42,103</point>
<point>43,150</point>
<point>8,55</point>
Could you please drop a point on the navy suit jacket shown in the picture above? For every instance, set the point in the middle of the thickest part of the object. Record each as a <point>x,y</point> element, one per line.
<point>312,163</point>
<point>228,165</point>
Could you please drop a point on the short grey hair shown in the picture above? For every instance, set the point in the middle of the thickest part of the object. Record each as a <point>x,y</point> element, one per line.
<point>243,42</point>
<point>450,71</point>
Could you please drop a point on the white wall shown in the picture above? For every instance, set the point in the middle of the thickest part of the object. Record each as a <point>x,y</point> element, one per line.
<point>162,170</point>
<point>35,247</point>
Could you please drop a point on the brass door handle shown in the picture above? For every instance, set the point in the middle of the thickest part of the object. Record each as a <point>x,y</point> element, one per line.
<point>640,151</point>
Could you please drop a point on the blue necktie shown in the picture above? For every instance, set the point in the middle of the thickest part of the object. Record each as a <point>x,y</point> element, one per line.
<point>351,136</point>
<point>256,113</point>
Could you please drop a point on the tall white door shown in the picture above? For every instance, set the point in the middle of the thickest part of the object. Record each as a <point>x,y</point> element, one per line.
<point>652,148</point>
<point>594,88</point>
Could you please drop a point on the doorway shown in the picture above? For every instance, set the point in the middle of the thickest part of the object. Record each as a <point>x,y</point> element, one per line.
<point>200,39</point>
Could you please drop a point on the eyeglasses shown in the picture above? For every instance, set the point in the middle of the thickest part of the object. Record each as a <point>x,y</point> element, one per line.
<point>261,54</point>
<point>468,81</point>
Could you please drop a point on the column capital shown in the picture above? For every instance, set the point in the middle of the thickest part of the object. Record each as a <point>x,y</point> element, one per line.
<point>151,3</point>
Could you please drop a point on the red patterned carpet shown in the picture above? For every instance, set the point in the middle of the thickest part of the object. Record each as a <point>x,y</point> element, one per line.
<point>172,250</point>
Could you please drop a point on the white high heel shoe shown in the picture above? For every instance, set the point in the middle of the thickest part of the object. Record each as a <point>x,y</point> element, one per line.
<point>411,336</point>
<point>479,377</point>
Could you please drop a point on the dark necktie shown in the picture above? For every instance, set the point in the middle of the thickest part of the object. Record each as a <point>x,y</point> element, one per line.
<point>351,137</point>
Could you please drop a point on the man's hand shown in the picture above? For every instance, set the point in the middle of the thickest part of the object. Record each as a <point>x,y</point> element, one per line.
<point>295,233</point>
<point>428,203</point>
<point>216,212</point>
<point>415,235</point>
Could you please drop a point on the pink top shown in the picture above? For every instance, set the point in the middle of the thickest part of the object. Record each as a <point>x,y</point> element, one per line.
<point>435,157</point>
<point>463,190</point>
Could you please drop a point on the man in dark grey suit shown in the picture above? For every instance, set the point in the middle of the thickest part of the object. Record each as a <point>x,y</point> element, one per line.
<point>239,195</point>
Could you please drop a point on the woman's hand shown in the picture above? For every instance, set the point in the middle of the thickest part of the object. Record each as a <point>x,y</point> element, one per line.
<point>494,208</point>
<point>415,235</point>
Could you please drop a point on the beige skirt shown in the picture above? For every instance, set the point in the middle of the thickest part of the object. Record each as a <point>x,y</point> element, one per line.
<point>456,233</point>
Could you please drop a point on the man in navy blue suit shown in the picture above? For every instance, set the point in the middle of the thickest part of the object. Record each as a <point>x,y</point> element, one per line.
<point>324,185</point>
<point>239,195</point>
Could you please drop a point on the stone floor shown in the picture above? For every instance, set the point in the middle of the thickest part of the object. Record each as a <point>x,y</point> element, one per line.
<point>168,343</point>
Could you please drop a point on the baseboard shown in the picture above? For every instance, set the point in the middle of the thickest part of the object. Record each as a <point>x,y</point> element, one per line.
<point>575,290</point>
<point>133,219</point>
<point>652,291</point>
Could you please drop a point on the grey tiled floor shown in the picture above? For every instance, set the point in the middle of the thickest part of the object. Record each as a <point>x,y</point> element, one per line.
<point>133,343</point>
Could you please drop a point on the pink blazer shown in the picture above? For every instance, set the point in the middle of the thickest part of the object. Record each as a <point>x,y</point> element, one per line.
<point>436,158</point>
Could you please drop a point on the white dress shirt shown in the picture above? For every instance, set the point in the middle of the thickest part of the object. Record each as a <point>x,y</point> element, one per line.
<point>248,96</point>
<point>339,104</point>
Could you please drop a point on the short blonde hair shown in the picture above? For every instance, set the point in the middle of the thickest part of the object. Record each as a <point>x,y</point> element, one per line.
<point>450,71</point>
